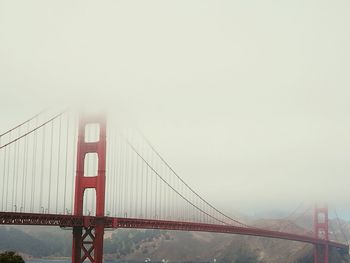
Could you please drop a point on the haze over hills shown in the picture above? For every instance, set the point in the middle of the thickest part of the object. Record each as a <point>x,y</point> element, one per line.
<point>176,246</point>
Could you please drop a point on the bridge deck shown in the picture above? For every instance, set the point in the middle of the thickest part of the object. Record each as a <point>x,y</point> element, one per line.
<point>10,218</point>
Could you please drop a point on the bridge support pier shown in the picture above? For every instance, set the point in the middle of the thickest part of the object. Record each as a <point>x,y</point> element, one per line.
<point>88,244</point>
<point>321,252</point>
<point>88,240</point>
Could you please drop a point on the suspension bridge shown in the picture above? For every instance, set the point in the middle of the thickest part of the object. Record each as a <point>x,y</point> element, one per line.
<point>77,172</point>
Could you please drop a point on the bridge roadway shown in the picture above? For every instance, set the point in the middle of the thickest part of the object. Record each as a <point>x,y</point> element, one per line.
<point>12,218</point>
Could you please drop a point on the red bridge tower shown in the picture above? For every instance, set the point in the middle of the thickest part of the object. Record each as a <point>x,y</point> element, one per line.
<point>321,232</point>
<point>88,240</point>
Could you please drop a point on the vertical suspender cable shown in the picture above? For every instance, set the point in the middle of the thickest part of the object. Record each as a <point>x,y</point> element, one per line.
<point>3,178</point>
<point>118,181</point>
<point>155,192</point>
<point>131,181</point>
<point>50,170</point>
<point>42,170</point>
<point>2,182</point>
<point>17,171</point>
<point>114,167</point>
<point>14,190</point>
<point>109,176</point>
<point>166,196</point>
<point>123,180</point>
<point>66,168</point>
<point>113,164</point>
<point>25,171</point>
<point>172,196</point>
<point>151,192</point>
<point>160,192</point>
<point>147,175</point>
<point>7,174</point>
<point>127,175</point>
<point>116,172</point>
<point>137,186</point>
<point>58,162</point>
<point>33,170</point>
<point>142,185</point>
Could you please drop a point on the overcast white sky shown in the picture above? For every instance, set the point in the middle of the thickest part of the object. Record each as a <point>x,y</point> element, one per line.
<point>248,100</point>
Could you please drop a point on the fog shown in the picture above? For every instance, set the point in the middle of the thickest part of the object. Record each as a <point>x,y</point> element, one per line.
<point>247,100</point>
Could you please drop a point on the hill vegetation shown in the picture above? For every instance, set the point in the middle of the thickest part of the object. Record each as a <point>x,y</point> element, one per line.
<point>174,246</point>
<point>10,257</point>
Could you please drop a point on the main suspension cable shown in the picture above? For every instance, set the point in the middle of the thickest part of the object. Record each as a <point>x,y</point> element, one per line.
<point>33,130</point>
<point>26,121</point>
<point>173,171</point>
<point>182,196</point>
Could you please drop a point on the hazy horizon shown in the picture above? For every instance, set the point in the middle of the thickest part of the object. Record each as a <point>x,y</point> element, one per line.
<point>249,102</point>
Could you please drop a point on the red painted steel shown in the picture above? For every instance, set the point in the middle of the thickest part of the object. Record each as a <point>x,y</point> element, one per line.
<point>11,218</point>
<point>88,240</point>
<point>115,222</point>
<point>321,251</point>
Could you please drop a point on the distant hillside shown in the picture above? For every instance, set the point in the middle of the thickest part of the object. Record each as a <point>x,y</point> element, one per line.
<point>175,246</point>
<point>205,247</point>
<point>36,241</point>
<point>13,239</point>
